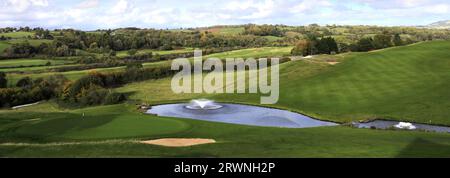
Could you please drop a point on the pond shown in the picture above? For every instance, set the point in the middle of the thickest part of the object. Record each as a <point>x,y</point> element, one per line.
<point>237,114</point>
<point>383,124</point>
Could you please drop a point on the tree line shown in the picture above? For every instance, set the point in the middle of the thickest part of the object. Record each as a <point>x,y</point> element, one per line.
<point>328,45</point>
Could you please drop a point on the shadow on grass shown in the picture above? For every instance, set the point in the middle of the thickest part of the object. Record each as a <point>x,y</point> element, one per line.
<point>421,148</point>
<point>38,127</point>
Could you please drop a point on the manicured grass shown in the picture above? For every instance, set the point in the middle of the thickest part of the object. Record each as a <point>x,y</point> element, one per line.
<point>405,83</point>
<point>60,133</point>
<point>102,122</point>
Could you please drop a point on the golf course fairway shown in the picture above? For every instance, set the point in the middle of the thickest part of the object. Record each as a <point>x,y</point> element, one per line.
<point>409,83</point>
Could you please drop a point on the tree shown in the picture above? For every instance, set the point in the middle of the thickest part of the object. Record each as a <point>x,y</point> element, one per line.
<point>327,46</point>
<point>25,82</point>
<point>365,44</point>
<point>132,52</point>
<point>301,48</point>
<point>63,51</point>
<point>3,80</point>
<point>382,41</point>
<point>397,40</point>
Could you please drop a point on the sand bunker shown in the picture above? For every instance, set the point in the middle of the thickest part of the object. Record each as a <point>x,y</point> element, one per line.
<point>333,63</point>
<point>178,142</point>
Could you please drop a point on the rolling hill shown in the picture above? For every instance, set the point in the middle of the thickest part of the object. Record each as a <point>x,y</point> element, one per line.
<point>445,24</point>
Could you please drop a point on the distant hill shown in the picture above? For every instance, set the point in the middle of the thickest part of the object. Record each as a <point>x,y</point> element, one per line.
<point>440,25</point>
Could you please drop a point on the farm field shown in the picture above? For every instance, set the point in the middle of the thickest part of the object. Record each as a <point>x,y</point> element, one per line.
<point>154,52</point>
<point>408,83</point>
<point>17,34</point>
<point>244,53</point>
<point>29,62</point>
<point>3,46</point>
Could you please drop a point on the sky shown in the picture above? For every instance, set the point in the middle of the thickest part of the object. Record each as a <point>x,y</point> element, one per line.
<point>161,14</point>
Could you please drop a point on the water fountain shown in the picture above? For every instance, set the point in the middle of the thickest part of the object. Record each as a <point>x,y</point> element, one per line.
<point>405,125</point>
<point>203,104</point>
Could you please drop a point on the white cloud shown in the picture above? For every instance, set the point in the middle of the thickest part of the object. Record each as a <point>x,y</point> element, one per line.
<point>87,4</point>
<point>120,7</point>
<point>249,9</point>
<point>42,3</point>
<point>93,14</point>
<point>438,9</point>
<point>309,5</point>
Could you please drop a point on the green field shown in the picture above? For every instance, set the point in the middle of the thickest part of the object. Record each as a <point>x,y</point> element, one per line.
<point>17,34</point>
<point>28,62</point>
<point>8,43</point>
<point>154,52</point>
<point>32,42</point>
<point>244,53</point>
<point>231,30</point>
<point>3,46</point>
<point>404,83</point>
<point>273,38</point>
<point>253,53</point>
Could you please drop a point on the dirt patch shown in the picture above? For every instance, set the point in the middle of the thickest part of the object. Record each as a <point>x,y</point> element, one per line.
<point>178,142</point>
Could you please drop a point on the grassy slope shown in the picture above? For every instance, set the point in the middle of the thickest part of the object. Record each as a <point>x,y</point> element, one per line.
<point>300,91</point>
<point>408,83</point>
